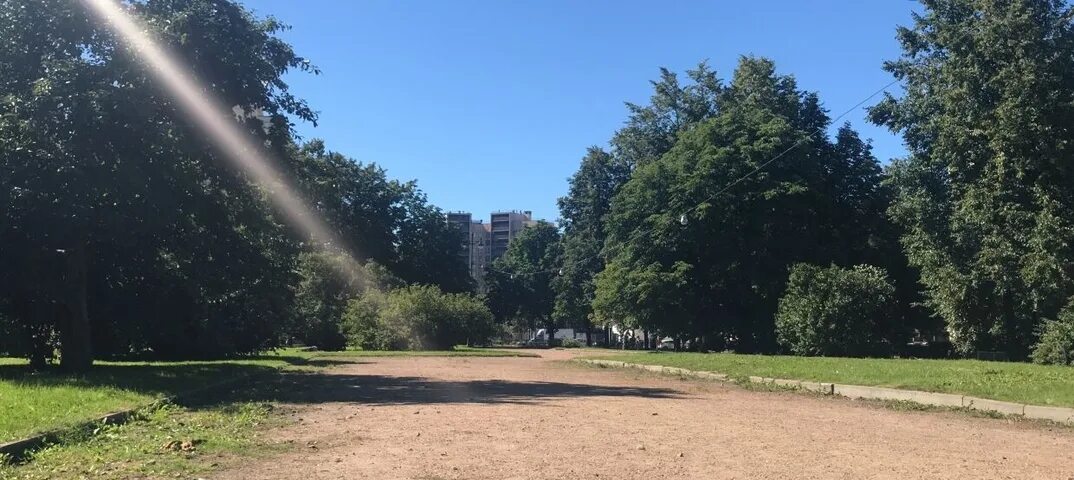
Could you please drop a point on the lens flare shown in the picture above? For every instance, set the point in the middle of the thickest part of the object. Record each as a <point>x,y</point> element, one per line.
<point>217,123</point>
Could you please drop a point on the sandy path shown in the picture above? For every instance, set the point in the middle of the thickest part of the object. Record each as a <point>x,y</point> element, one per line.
<point>527,418</point>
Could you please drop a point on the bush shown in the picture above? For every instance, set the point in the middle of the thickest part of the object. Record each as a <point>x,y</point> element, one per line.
<point>1056,344</point>
<point>834,311</point>
<point>416,318</point>
<point>324,288</point>
<point>570,343</point>
<point>363,328</point>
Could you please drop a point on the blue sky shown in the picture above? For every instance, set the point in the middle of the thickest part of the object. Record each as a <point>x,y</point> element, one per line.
<point>490,104</point>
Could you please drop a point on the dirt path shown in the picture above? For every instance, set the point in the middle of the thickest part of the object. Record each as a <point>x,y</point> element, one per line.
<point>527,418</point>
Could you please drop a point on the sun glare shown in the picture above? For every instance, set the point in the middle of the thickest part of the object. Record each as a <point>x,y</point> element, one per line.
<point>217,123</point>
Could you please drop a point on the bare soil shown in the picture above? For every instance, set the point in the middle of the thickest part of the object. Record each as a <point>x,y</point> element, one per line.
<point>534,418</point>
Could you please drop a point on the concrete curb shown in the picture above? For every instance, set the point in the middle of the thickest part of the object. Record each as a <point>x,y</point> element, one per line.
<point>18,450</point>
<point>1055,414</point>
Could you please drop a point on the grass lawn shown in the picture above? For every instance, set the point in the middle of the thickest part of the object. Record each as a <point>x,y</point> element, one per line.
<point>222,429</point>
<point>153,446</point>
<point>1014,382</point>
<point>456,352</point>
<point>36,402</point>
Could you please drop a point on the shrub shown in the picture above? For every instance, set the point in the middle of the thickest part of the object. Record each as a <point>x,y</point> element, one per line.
<point>363,328</point>
<point>834,311</point>
<point>1056,344</point>
<point>324,288</point>
<point>416,318</point>
<point>570,343</point>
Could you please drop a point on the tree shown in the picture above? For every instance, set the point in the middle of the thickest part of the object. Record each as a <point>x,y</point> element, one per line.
<point>698,247</point>
<point>583,209</point>
<point>984,196</point>
<point>1056,345</point>
<point>428,248</point>
<point>652,129</point>
<point>383,220</point>
<point>122,232</point>
<point>835,311</point>
<point>417,317</point>
<point>326,284</point>
<point>520,282</point>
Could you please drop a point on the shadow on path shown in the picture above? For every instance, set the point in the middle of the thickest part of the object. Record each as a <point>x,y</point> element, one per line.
<point>390,390</point>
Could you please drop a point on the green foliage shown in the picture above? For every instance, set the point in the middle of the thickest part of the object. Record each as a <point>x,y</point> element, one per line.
<point>521,281</point>
<point>582,213</point>
<point>383,220</point>
<point>124,234</point>
<point>416,318</point>
<point>366,326</point>
<point>181,257</point>
<point>327,282</point>
<point>1056,344</point>
<point>718,277</point>
<point>570,343</point>
<point>673,108</point>
<point>834,311</point>
<point>984,196</point>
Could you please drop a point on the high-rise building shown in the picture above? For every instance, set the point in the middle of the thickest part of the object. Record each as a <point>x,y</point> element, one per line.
<point>482,243</point>
<point>505,226</point>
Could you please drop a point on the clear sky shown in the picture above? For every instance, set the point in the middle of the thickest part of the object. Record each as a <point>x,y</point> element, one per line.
<point>491,104</point>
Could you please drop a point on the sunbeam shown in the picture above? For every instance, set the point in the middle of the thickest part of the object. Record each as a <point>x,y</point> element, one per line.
<point>216,122</point>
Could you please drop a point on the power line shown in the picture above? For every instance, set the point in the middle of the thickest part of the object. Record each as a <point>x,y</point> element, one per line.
<point>788,150</point>
<point>729,186</point>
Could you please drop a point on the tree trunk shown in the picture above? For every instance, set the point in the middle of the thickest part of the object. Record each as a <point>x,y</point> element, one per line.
<point>646,334</point>
<point>36,316</point>
<point>588,338</point>
<point>39,348</point>
<point>76,345</point>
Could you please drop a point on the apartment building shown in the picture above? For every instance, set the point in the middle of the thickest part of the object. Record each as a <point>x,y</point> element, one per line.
<point>505,226</point>
<point>482,243</point>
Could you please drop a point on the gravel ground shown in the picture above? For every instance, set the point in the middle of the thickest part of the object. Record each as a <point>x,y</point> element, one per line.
<point>534,418</point>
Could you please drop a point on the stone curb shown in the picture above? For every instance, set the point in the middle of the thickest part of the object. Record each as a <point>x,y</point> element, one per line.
<point>1055,414</point>
<point>18,450</point>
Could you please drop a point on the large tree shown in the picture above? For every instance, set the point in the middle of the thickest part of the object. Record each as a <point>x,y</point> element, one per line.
<point>383,220</point>
<point>648,133</point>
<point>650,130</point>
<point>119,224</point>
<point>690,257</point>
<point>582,213</point>
<point>985,194</point>
<point>520,282</point>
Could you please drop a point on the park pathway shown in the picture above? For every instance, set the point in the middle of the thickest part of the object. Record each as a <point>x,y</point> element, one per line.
<point>538,418</point>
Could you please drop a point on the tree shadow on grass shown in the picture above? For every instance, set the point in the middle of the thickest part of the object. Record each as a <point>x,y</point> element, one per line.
<point>297,361</point>
<point>161,379</point>
<point>303,388</point>
<point>269,384</point>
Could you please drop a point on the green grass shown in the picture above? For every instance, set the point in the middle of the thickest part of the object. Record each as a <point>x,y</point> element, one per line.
<point>1014,382</point>
<point>222,428</point>
<point>457,352</point>
<point>139,449</point>
<point>35,402</point>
